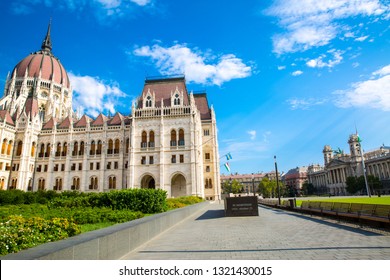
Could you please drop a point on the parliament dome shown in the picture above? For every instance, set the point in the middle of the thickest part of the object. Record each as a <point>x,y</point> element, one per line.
<point>43,63</point>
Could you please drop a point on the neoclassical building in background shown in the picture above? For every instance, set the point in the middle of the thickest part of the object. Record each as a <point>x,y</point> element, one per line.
<point>331,178</point>
<point>169,141</point>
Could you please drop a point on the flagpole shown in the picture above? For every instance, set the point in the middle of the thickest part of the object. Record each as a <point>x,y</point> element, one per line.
<point>363,165</point>
<point>277,180</point>
<point>364,171</point>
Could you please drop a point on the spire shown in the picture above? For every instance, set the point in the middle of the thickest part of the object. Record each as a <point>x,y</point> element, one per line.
<point>46,44</point>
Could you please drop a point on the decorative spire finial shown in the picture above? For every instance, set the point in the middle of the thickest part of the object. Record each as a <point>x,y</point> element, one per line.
<point>46,44</point>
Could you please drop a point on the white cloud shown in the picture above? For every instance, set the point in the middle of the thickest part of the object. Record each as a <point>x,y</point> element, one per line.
<point>383,71</point>
<point>92,95</point>
<point>281,67</point>
<point>304,103</point>
<point>314,23</point>
<point>198,67</point>
<point>252,134</point>
<point>103,9</point>
<point>373,93</point>
<point>361,39</point>
<point>141,2</point>
<point>320,63</point>
<point>297,73</point>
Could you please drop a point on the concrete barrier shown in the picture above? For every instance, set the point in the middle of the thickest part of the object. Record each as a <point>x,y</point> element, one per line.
<point>110,243</point>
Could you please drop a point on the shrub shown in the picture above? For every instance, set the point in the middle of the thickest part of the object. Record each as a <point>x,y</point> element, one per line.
<point>19,233</point>
<point>144,200</point>
<point>183,201</point>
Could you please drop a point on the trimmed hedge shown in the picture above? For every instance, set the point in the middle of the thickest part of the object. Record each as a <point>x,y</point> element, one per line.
<point>15,197</point>
<point>148,201</point>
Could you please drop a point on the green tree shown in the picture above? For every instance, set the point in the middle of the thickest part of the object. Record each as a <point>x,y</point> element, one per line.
<point>355,184</point>
<point>374,183</point>
<point>232,186</point>
<point>267,187</point>
<point>308,188</point>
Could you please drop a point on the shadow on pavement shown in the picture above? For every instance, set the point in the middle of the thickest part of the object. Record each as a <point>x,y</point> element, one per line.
<point>212,214</point>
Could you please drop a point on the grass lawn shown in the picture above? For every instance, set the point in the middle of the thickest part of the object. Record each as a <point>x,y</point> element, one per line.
<point>366,200</point>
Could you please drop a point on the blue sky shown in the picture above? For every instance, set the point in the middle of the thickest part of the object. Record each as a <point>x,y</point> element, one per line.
<point>285,77</point>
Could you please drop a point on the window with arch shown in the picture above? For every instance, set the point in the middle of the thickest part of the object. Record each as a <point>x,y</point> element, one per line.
<point>181,137</point>
<point>58,185</point>
<point>9,148</point>
<point>3,146</point>
<point>148,102</point>
<point>75,183</point>
<point>42,111</point>
<point>81,152</point>
<point>151,139</point>
<point>173,138</point>
<point>93,183</point>
<point>99,148</point>
<point>65,149</point>
<point>2,183</point>
<point>117,146</point>
<point>47,150</point>
<point>14,182</point>
<point>29,186</point>
<point>41,150</point>
<point>58,151</point>
<point>110,147</point>
<point>112,182</point>
<point>33,147</point>
<point>41,184</point>
<point>208,183</point>
<point>144,139</point>
<point>176,101</point>
<point>75,148</point>
<point>19,148</point>
<point>93,148</point>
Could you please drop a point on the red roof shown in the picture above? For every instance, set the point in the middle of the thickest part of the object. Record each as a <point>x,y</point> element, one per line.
<point>203,106</point>
<point>46,63</point>
<point>50,124</point>
<point>163,88</point>
<point>4,115</point>
<point>65,123</point>
<point>31,106</point>
<point>116,120</point>
<point>100,120</point>
<point>82,122</point>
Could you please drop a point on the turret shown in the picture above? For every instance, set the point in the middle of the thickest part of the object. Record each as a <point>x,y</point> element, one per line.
<point>328,154</point>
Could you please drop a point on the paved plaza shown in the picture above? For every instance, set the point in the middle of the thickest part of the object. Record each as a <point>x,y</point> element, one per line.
<point>273,235</point>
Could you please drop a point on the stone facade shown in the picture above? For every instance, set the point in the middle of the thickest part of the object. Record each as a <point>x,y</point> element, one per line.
<point>331,178</point>
<point>169,141</point>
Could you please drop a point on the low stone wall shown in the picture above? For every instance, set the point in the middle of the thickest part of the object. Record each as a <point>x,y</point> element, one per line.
<point>110,243</point>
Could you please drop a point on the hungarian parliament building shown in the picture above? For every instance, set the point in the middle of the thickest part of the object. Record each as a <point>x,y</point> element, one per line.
<point>169,140</point>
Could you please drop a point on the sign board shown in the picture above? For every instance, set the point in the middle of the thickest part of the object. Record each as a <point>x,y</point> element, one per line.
<point>241,206</point>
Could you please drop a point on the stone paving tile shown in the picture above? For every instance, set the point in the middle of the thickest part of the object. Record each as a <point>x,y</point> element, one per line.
<point>273,235</point>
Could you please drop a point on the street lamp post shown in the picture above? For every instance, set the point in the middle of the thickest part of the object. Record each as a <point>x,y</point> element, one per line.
<point>277,180</point>
<point>253,184</point>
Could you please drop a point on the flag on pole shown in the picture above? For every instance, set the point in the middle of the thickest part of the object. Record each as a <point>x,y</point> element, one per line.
<point>227,166</point>
<point>228,156</point>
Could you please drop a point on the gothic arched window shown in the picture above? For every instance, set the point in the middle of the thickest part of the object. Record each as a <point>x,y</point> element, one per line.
<point>148,102</point>
<point>181,137</point>
<point>173,138</point>
<point>176,101</point>
<point>151,139</point>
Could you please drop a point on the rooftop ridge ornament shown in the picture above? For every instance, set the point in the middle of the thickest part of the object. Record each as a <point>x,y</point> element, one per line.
<point>46,44</point>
